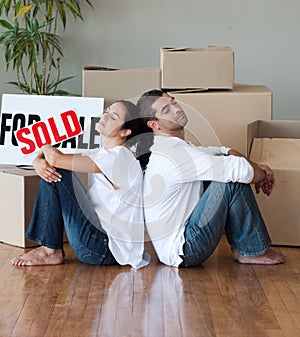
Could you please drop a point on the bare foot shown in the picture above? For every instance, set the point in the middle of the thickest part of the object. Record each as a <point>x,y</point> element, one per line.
<point>270,257</point>
<point>40,256</point>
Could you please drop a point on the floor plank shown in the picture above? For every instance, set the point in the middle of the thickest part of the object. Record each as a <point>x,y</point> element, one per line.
<point>221,298</point>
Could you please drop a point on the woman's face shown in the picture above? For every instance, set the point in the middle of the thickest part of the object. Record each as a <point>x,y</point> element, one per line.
<point>112,121</point>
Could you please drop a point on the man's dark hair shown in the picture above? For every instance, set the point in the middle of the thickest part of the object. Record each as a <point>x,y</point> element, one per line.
<point>144,104</point>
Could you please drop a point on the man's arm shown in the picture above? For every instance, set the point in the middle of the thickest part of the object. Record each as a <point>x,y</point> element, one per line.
<point>263,178</point>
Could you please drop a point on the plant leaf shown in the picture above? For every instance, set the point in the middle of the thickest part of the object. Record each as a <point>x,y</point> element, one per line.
<point>56,83</point>
<point>6,24</point>
<point>23,10</point>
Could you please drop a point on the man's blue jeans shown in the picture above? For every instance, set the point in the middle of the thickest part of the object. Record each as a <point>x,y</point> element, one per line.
<point>229,207</point>
<point>62,205</point>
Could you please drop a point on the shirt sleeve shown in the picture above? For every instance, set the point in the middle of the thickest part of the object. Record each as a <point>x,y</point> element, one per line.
<point>193,163</point>
<point>217,150</point>
<point>117,164</point>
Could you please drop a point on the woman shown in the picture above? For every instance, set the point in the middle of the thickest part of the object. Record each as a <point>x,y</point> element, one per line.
<point>104,226</point>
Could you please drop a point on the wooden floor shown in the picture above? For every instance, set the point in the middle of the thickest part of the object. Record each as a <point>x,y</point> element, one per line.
<point>222,298</point>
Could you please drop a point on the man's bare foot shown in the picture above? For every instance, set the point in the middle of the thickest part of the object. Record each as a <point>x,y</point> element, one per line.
<point>270,257</point>
<point>40,256</point>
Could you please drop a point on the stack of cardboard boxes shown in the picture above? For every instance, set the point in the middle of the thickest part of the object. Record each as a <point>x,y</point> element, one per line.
<point>202,81</point>
<point>219,112</point>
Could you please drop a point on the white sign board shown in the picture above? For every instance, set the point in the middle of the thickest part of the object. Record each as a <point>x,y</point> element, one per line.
<point>46,119</point>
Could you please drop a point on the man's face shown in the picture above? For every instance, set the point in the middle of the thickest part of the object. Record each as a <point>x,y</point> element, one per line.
<point>169,114</point>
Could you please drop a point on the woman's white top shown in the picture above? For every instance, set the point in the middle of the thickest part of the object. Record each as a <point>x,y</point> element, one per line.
<point>116,195</point>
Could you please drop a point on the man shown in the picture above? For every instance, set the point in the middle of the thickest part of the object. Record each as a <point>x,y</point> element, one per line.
<point>184,220</point>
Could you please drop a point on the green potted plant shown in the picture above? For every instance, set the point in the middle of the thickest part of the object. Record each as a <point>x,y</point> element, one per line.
<point>32,47</point>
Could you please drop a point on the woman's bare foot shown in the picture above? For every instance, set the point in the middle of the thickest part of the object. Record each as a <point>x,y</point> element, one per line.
<point>270,257</point>
<point>40,256</point>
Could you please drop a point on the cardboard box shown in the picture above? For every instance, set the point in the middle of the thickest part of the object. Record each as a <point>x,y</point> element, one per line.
<point>277,144</point>
<point>17,196</point>
<point>197,68</point>
<point>113,84</point>
<point>221,117</point>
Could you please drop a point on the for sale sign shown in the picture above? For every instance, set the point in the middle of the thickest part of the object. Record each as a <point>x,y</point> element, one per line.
<point>28,122</point>
<point>46,132</point>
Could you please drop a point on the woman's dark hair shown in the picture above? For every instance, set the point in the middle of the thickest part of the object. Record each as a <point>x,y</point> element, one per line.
<point>141,137</point>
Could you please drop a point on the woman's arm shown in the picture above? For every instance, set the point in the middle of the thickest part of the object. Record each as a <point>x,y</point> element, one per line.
<point>44,169</point>
<point>72,162</point>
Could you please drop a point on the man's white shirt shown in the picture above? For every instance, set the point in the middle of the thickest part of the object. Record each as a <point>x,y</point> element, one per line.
<point>173,185</point>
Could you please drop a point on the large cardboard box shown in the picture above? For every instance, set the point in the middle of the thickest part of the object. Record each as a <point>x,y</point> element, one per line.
<point>221,117</point>
<point>197,68</point>
<point>17,196</point>
<point>114,84</point>
<point>277,144</point>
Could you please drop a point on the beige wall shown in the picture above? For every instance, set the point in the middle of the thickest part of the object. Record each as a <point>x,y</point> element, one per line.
<point>265,36</point>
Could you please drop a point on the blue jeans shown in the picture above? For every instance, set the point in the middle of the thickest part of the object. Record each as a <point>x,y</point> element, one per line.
<point>65,204</point>
<point>229,207</point>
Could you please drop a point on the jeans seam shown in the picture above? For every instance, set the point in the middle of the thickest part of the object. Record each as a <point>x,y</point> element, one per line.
<point>74,199</point>
<point>263,244</point>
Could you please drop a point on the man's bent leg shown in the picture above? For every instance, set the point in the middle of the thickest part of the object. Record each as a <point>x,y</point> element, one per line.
<point>230,207</point>
<point>246,230</point>
<point>206,225</point>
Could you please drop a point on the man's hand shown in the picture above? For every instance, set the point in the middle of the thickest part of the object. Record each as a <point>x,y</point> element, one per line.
<point>268,183</point>
<point>264,177</point>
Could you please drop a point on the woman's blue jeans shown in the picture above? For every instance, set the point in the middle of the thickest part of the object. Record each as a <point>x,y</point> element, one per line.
<point>229,207</point>
<point>65,205</point>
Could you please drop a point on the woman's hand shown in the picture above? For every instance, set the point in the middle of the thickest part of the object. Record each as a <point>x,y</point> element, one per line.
<point>51,154</point>
<point>45,170</point>
<point>53,159</point>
